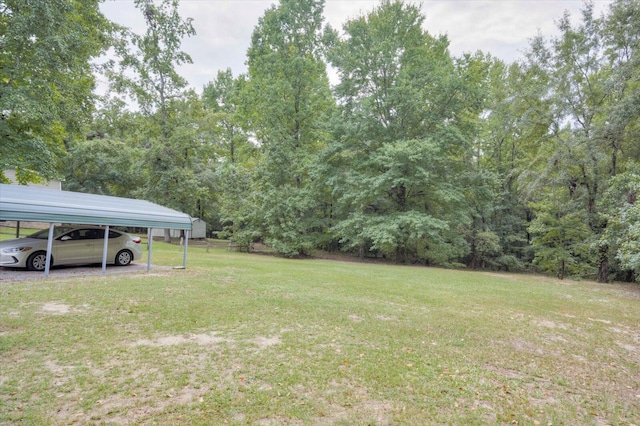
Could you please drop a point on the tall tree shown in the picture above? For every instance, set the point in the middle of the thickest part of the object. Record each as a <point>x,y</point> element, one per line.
<point>590,79</point>
<point>514,128</point>
<point>147,67</point>
<point>146,71</point>
<point>225,128</point>
<point>400,145</point>
<point>619,134</point>
<point>285,99</point>
<point>46,80</point>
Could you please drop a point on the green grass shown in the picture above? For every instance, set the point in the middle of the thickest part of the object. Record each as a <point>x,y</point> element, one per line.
<point>252,339</point>
<point>7,233</point>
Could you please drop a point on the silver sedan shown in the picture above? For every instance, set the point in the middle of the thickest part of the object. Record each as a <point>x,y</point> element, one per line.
<point>71,246</point>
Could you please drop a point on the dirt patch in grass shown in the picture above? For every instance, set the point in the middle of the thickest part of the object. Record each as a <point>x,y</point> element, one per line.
<point>264,342</point>
<point>55,308</point>
<point>206,339</point>
<point>130,408</point>
<point>545,323</point>
<point>355,318</point>
<point>203,339</point>
<point>59,308</point>
<point>358,403</point>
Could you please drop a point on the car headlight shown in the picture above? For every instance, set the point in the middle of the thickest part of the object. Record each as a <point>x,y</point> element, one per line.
<point>16,249</point>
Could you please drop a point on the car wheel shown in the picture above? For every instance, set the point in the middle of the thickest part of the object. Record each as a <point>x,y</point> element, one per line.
<point>124,257</point>
<point>38,261</point>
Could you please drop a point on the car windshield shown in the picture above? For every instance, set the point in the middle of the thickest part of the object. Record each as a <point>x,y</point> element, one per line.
<point>57,231</point>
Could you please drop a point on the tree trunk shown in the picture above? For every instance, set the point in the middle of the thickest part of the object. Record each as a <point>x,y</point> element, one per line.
<point>167,235</point>
<point>603,265</point>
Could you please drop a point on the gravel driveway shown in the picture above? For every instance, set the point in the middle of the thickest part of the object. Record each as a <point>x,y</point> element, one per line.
<point>14,274</point>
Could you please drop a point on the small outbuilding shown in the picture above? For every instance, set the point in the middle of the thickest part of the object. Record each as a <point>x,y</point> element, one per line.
<point>25,203</point>
<point>198,230</point>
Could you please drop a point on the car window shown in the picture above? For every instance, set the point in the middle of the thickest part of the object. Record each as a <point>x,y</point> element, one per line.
<point>57,232</point>
<point>96,234</point>
<point>88,234</point>
<point>73,235</point>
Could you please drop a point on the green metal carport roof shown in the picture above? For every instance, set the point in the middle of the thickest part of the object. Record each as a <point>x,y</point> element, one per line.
<point>26,203</point>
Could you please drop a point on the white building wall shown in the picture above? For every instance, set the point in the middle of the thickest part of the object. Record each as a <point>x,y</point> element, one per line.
<point>54,184</point>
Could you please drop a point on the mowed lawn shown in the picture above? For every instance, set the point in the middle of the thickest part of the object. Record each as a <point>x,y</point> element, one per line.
<point>253,339</point>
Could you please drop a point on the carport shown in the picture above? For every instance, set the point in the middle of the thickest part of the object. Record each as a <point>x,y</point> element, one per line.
<point>25,203</point>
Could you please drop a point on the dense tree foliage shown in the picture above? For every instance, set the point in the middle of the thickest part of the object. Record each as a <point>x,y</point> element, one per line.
<point>589,86</point>
<point>401,144</point>
<point>46,80</point>
<point>285,102</point>
<point>414,154</point>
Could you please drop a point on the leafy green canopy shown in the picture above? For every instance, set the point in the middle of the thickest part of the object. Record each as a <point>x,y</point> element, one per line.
<point>46,80</point>
<point>173,157</point>
<point>416,155</point>
<point>590,91</point>
<point>401,141</point>
<point>284,103</point>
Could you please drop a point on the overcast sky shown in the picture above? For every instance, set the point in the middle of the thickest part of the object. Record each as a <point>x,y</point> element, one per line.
<point>500,27</point>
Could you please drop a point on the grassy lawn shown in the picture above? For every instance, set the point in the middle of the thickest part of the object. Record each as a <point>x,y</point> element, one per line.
<point>251,339</point>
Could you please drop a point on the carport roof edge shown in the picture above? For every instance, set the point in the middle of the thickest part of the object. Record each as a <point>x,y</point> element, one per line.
<point>26,203</point>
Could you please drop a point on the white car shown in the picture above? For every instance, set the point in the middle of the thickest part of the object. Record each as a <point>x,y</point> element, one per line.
<point>72,245</point>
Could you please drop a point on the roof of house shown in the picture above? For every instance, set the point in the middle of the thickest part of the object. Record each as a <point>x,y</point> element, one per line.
<point>25,203</point>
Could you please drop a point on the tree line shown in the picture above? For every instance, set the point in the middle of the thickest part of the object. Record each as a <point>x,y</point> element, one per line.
<point>415,154</point>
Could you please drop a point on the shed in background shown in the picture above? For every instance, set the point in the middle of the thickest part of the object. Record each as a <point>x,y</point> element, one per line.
<point>198,230</point>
